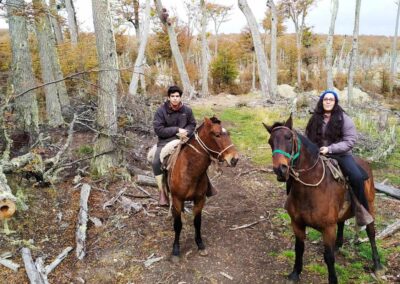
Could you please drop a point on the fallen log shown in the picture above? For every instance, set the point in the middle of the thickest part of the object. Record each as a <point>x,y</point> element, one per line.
<point>389,190</point>
<point>9,264</point>
<point>389,230</point>
<point>37,272</point>
<point>7,199</point>
<point>82,222</point>
<point>146,180</point>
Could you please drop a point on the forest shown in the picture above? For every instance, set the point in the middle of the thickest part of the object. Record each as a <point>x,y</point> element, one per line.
<point>78,198</point>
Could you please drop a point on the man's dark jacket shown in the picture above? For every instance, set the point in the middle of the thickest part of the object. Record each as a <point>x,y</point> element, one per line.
<point>167,122</point>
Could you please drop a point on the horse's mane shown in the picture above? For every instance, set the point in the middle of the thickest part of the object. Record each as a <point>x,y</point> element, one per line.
<point>213,119</point>
<point>310,146</point>
<point>276,124</point>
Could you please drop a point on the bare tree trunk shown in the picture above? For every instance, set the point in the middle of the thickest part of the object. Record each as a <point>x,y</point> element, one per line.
<point>274,65</point>
<point>22,73</point>
<point>55,22</point>
<point>354,53</point>
<point>253,73</point>
<point>204,45</point>
<point>216,41</point>
<point>299,61</point>
<point>262,64</point>
<point>73,26</point>
<point>340,57</point>
<point>108,88</point>
<point>138,69</point>
<point>187,87</point>
<point>329,45</point>
<point>56,94</point>
<point>393,62</point>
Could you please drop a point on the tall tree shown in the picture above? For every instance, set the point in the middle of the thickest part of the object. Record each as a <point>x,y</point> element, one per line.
<point>56,93</point>
<point>204,48</point>
<point>353,54</point>
<point>73,26</point>
<point>55,22</point>
<point>393,61</point>
<point>104,149</point>
<point>219,14</point>
<point>22,73</point>
<point>138,69</point>
<point>297,11</point>
<point>163,14</point>
<point>262,64</point>
<point>274,30</point>
<point>329,45</point>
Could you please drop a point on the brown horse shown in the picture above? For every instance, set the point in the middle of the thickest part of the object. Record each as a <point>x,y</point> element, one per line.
<point>188,178</point>
<point>315,198</point>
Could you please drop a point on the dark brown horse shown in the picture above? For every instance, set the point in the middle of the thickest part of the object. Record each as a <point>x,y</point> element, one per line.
<point>188,178</point>
<point>316,198</point>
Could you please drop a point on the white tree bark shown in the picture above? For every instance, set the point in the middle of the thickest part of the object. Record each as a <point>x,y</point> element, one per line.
<point>329,45</point>
<point>55,93</point>
<point>72,23</point>
<point>55,22</point>
<point>204,47</point>
<point>274,64</point>
<point>354,54</point>
<point>139,63</point>
<point>22,73</point>
<point>340,57</point>
<point>393,61</point>
<point>108,87</point>
<point>262,64</point>
<point>187,87</point>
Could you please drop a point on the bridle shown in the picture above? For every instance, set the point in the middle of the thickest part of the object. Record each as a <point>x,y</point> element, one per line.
<point>207,149</point>
<point>295,155</point>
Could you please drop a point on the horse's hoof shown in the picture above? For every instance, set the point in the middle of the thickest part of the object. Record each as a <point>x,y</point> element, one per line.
<point>293,278</point>
<point>203,252</point>
<point>379,270</point>
<point>175,259</point>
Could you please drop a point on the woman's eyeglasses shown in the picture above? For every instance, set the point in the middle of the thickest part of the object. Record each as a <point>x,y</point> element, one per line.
<point>329,99</point>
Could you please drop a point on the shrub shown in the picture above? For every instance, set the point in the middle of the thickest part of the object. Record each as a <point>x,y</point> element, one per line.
<point>223,70</point>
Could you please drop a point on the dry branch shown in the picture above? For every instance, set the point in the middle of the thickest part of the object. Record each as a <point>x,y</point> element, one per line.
<point>7,199</point>
<point>389,230</point>
<point>82,222</point>
<point>389,190</point>
<point>9,264</point>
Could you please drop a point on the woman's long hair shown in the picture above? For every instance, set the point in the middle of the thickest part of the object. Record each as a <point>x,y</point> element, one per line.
<point>333,132</point>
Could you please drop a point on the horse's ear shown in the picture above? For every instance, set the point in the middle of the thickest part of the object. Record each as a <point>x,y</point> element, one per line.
<point>289,122</point>
<point>207,121</point>
<point>269,128</point>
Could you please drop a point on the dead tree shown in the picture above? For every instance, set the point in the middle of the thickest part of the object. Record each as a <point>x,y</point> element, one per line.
<point>204,48</point>
<point>353,54</point>
<point>274,64</point>
<point>108,88</point>
<point>163,14</point>
<point>26,107</point>
<point>262,63</point>
<point>393,61</point>
<point>329,45</point>
<point>72,23</point>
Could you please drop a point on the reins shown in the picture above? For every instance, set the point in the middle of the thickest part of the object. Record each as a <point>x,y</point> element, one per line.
<point>295,155</point>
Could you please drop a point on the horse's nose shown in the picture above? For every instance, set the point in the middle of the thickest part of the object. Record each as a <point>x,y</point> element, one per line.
<point>234,161</point>
<point>281,172</point>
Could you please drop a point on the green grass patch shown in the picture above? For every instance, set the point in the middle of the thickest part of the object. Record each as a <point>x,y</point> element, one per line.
<point>313,235</point>
<point>85,150</point>
<point>287,254</point>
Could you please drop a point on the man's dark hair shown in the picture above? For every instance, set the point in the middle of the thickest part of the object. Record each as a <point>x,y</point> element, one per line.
<point>174,89</point>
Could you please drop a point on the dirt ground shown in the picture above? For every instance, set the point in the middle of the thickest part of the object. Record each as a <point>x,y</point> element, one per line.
<point>118,249</point>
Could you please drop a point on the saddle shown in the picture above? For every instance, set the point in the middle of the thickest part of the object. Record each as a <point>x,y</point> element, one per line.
<point>362,216</point>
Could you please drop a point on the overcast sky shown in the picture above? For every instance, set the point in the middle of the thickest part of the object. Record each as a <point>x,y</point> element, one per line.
<point>377,17</point>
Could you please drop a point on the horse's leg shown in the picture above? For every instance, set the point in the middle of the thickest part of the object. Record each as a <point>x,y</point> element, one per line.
<point>300,233</point>
<point>176,213</point>
<point>197,208</point>
<point>339,235</point>
<point>328,236</point>
<point>375,256</point>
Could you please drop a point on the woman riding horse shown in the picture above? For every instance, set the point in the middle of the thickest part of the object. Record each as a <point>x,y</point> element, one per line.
<point>335,133</point>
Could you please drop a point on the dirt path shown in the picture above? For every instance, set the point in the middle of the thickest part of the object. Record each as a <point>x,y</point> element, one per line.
<point>117,250</point>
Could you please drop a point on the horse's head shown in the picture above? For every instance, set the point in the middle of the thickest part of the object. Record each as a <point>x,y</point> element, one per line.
<point>217,142</point>
<point>284,147</point>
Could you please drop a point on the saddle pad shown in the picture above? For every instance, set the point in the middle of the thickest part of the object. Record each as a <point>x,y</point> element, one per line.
<point>165,151</point>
